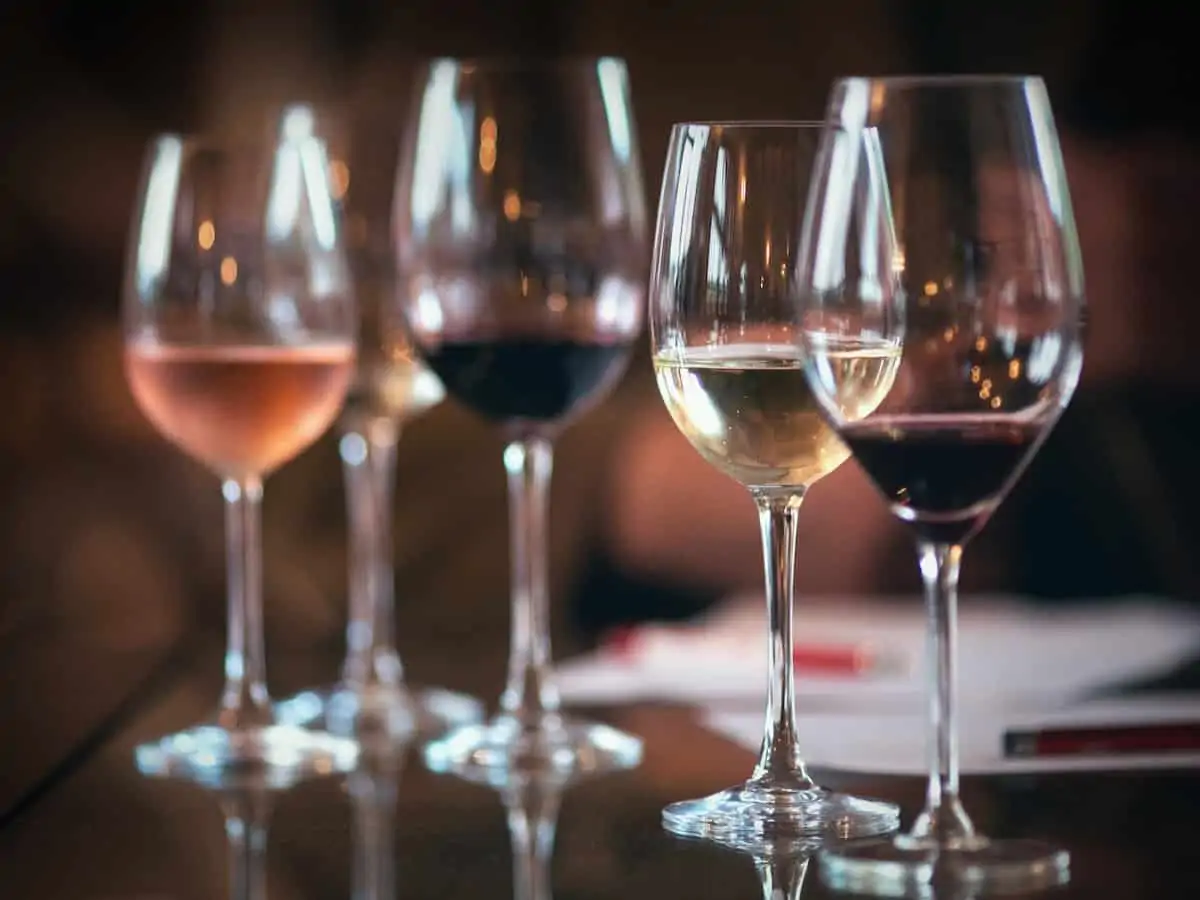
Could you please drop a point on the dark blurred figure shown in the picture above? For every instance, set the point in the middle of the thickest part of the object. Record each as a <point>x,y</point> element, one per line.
<point>1108,506</point>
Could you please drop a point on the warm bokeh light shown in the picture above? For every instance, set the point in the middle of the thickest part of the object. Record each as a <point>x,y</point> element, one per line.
<point>339,176</point>
<point>487,145</point>
<point>229,270</point>
<point>206,235</point>
<point>512,206</point>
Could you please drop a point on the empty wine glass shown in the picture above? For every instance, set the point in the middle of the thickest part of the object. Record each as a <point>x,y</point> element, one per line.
<point>730,371</point>
<point>239,347</point>
<point>520,229</point>
<point>940,219</point>
<point>390,387</point>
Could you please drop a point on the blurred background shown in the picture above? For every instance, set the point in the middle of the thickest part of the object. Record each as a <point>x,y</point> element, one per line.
<point>112,537</point>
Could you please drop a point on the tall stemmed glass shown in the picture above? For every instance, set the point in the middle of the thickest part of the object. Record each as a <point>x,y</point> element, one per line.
<point>390,388</point>
<point>520,229</point>
<point>730,371</point>
<point>940,218</point>
<point>239,347</point>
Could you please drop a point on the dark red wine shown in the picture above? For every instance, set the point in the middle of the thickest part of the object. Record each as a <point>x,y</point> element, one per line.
<point>946,480</point>
<point>525,379</point>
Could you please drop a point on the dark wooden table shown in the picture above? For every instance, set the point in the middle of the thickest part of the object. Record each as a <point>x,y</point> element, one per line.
<point>77,821</point>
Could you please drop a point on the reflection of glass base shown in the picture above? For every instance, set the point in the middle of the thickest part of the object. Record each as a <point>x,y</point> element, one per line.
<point>389,713</point>
<point>211,753</point>
<point>751,815</point>
<point>491,751</point>
<point>915,867</point>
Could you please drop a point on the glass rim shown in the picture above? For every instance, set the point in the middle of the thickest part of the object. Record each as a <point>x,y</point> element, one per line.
<point>566,62</point>
<point>968,79</point>
<point>232,145</point>
<point>752,124</point>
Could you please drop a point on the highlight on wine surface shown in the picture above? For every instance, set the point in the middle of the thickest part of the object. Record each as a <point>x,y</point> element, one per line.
<point>731,370</point>
<point>940,222</point>
<point>520,232</point>
<point>240,335</point>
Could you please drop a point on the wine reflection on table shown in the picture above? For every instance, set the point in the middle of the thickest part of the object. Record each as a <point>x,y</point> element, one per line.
<point>532,800</point>
<point>783,866</point>
<point>246,803</point>
<point>373,788</point>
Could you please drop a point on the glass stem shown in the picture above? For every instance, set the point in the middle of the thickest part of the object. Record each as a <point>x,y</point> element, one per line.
<point>245,702</point>
<point>532,818</point>
<point>246,820</point>
<point>779,761</point>
<point>943,819</point>
<point>369,468</point>
<point>530,695</point>
<point>374,798</point>
<point>782,879</point>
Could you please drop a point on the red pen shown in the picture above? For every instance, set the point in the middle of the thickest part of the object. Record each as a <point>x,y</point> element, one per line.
<point>1101,740</point>
<point>813,659</point>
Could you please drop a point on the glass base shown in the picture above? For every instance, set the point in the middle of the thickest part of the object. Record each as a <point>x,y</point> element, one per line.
<point>752,814</point>
<point>390,713</point>
<point>209,753</point>
<point>489,752</point>
<point>917,867</point>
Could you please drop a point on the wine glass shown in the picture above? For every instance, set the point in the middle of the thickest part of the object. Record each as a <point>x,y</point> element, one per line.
<point>520,228</point>
<point>940,219</point>
<point>390,387</point>
<point>730,371</point>
<point>239,347</point>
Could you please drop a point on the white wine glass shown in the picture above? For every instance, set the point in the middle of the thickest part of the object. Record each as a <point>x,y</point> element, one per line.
<point>239,347</point>
<point>730,370</point>
<point>391,386</point>
<point>520,229</point>
<point>940,219</point>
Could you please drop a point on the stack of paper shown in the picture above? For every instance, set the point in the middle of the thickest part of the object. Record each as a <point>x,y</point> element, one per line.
<point>1018,663</point>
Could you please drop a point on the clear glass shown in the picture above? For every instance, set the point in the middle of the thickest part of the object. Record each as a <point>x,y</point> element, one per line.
<point>531,800</point>
<point>239,347</point>
<point>373,789</point>
<point>730,371</point>
<point>246,803</point>
<point>520,228</point>
<point>940,219</point>
<point>391,387</point>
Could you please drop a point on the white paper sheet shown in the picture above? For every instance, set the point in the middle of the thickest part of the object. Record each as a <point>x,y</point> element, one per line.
<point>882,744</point>
<point>1012,655</point>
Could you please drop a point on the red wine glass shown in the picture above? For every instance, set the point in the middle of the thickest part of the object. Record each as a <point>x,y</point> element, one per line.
<point>939,217</point>
<point>520,227</point>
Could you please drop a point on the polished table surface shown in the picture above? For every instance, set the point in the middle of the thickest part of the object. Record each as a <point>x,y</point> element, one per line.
<point>78,821</point>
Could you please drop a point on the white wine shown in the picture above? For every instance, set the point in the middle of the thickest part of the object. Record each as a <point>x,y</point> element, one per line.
<point>749,411</point>
<point>395,387</point>
<point>390,382</point>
